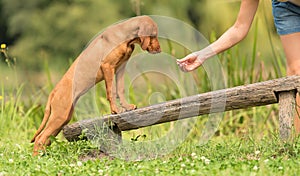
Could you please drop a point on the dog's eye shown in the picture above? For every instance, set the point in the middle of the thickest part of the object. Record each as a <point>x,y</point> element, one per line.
<point>153,35</point>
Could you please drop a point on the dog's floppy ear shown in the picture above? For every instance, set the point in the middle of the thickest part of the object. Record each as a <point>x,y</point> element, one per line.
<point>144,35</point>
<point>145,42</point>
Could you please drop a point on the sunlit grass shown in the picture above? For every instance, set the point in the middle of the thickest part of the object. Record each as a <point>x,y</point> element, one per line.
<point>246,141</point>
<point>226,155</point>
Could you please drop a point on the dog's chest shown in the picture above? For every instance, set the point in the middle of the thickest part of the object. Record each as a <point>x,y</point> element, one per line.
<point>124,56</point>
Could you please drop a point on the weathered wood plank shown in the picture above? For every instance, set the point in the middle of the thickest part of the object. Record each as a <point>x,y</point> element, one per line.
<point>286,113</point>
<point>257,94</point>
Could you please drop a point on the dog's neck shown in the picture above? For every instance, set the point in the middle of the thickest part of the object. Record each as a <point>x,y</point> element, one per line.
<point>133,41</point>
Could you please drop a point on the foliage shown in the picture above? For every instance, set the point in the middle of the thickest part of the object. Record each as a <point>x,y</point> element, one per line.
<point>225,156</point>
<point>58,31</point>
<point>47,35</point>
<point>55,30</point>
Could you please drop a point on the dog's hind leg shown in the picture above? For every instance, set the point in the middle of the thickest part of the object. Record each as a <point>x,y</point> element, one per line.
<point>53,127</point>
<point>46,116</point>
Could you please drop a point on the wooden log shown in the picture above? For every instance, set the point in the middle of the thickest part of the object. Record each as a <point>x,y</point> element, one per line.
<point>246,96</point>
<point>286,113</point>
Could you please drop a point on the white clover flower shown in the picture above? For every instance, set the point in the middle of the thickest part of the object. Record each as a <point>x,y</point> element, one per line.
<point>79,163</point>
<point>10,160</point>
<point>157,171</point>
<point>280,168</point>
<point>182,165</point>
<point>100,171</point>
<point>180,159</point>
<point>206,161</point>
<point>255,168</point>
<point>60,172</point>
<point>72,165</point>
<point>266,160</point>
<point>18,145</point>
<point>257,152</point>
<point>38,167</point>
<point>193,171</point>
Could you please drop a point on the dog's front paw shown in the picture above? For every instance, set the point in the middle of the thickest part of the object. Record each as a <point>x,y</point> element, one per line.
<point>115,109</point>
<point>129,107</point>
<point>118,111</point>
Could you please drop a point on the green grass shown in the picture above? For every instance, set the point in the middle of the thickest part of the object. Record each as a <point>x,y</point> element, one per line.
<point>246,142</point>
<point>221,156</point>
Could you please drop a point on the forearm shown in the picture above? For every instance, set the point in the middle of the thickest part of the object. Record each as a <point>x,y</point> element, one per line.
<point>230,38</point>
<point>237,32</point>
<point>226,41</point>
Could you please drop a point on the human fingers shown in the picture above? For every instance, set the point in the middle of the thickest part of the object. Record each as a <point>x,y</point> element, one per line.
<point>190,66</point>
<point>191,57</point>
<point>186,67</point>
<point>184,64</point>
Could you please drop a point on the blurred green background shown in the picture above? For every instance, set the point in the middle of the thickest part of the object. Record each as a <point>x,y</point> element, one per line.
<point>39,31</point>
<point>45,36</point>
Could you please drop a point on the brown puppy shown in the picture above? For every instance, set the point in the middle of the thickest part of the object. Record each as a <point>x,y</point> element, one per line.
<point>105,56</point>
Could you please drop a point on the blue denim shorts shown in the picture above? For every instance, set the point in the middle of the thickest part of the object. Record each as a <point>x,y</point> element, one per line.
<point>286,17</point>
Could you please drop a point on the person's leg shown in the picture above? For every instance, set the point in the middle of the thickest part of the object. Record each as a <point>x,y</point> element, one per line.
<point>291,46</point>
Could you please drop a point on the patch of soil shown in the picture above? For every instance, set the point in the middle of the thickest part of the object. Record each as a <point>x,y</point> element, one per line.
<point>95,154</point>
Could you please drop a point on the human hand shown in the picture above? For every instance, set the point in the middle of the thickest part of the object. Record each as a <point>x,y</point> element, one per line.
<point>190,62</point>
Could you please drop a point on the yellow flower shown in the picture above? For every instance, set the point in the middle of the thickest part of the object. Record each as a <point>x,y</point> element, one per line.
<point>3,46</point>
<point>1,97</point>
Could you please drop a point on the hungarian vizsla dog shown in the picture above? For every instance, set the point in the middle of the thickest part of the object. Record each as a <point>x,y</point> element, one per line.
<point>104,58</point>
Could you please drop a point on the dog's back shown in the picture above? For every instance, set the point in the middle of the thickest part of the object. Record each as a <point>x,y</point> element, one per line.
<point>108,50</point>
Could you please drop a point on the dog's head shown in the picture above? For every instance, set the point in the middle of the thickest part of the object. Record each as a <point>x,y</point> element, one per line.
<point>148,33</point>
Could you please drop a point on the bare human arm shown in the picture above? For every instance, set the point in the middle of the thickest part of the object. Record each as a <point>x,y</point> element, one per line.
<point>231,37</point>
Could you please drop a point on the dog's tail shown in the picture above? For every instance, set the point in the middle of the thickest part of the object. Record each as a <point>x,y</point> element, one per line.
<point>45,119</point>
